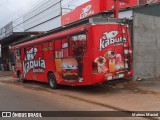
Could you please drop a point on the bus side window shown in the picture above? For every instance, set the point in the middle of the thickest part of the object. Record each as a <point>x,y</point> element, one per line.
<point>58,49</point>
<point>18,52</point>
<point>25,51</point>
<point>46,50</point>
<point>50,50</point>
<point>40,50</point>
<point>35,52</point>
<point>65,47</point>
<point>17,55</point>
<point>22,54</point>
<point>71,46</point>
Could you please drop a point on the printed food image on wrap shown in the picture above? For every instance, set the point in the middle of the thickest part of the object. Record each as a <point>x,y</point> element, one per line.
<point>69,69</point>
<point>101,62</point>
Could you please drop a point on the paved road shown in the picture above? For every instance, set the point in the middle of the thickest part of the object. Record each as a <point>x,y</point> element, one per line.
<point>38,97</point>
<point>22,99</point>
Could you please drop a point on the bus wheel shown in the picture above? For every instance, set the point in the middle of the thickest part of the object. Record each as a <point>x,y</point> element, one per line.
<point>20,77</point>
<point>52,81</point>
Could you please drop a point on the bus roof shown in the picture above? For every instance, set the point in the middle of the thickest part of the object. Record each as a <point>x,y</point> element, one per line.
<point>52,36</point>
<point>77,26</point>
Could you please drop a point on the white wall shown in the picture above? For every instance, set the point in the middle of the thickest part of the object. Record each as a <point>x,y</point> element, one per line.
<point>125,14</point>
<point>146,54</point>
<point>54,23</point>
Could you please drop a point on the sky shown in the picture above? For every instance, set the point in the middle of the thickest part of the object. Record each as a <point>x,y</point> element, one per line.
<point>10,10</point>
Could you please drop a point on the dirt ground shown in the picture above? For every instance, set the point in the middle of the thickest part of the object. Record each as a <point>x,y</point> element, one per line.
<point>127,96</point>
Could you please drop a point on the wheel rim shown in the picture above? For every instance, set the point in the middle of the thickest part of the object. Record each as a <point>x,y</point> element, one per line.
<point>20,77</point>
<point>51,81</point>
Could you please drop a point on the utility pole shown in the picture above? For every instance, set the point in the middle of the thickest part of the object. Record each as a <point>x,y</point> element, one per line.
<point>116,8</point>
<point>61,9</point>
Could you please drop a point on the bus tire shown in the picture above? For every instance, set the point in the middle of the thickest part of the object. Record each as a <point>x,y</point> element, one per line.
<point>52,81</point>
<point>20,77</point>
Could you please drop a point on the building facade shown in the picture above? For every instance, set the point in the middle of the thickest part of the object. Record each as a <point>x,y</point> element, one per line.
<point>44,18</point>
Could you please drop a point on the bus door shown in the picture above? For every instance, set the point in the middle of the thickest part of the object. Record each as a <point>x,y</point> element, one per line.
<point>79,46</point>
<point>73,50</point>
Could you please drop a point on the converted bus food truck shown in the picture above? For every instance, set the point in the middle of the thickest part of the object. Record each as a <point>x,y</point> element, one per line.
<point>86,54</point>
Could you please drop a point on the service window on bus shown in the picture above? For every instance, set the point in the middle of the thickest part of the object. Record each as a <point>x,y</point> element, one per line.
<point>58,49</point>
<point>77,45</point>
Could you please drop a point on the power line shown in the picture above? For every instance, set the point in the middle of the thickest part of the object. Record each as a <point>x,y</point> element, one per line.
<point>39,4</point>
<point>22,23</point>
<point>35,15</point>
<point>38,14</point>
<point>22,12</point>
<point>31,18</point>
